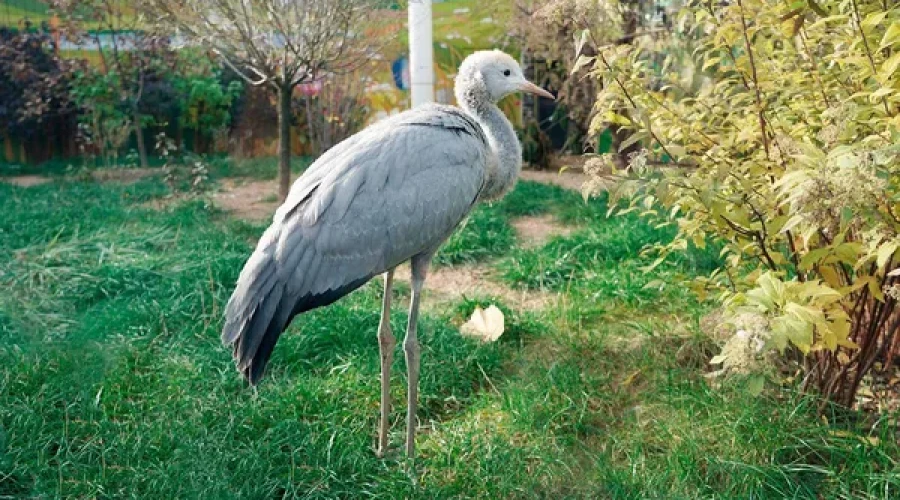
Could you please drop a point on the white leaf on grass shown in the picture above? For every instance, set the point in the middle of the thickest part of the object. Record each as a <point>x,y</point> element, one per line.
<point>485,324</point>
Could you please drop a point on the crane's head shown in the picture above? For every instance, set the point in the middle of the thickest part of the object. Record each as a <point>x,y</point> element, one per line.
<point>495,73</point>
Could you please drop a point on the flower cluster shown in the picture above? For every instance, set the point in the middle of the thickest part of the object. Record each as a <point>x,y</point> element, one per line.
<point>838,120</point>
<point>745,351</point>
<point>848,181</point>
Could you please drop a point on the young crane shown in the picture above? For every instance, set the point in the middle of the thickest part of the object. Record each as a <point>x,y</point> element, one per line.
<point>392,193</point>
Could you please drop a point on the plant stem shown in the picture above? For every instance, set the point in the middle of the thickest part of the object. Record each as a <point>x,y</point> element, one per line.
<point>865,41</point>
<point>760,111</point>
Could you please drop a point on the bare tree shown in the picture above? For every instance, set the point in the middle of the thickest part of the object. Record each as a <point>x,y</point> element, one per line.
<point>336,111</point>
<point>276,43</point>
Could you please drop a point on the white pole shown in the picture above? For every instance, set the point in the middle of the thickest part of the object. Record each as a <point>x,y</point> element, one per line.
<point>421,52</point>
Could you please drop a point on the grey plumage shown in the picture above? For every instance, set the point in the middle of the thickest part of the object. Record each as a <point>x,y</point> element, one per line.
<point>389,194</point>
<point>392,191</point>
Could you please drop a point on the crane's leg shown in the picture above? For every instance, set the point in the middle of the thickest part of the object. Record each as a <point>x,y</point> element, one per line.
<point>419,265</point>
<point>386,345</point>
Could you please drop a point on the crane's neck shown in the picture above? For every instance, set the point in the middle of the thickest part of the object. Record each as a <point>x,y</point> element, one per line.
<point>501,177</point>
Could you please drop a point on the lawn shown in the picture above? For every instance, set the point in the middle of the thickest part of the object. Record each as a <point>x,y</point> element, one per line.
<point>113,382</point>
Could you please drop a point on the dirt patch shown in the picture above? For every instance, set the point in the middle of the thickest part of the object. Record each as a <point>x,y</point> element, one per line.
<point>537,230</point>
<point>254,200</point>
<point>250,200</point>
<point>569,179</point>
<point>119,175</point>
<point>123,175</point>
<point>26,180</point>
<point>571,162</point>
<point>163,203</point>
<point>449,284</point>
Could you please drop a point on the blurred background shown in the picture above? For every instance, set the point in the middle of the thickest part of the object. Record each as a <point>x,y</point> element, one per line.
<point>86,76</point>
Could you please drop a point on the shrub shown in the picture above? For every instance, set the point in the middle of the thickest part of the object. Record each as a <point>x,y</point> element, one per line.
<point>34,84</point>
<point>777,126</point>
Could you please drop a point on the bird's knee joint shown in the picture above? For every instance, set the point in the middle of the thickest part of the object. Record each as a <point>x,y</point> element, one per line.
<point>386,339</point>
<point>411,347</point>
<point>385,335</point>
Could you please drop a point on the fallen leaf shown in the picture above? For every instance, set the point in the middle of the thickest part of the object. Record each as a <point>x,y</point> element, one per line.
<point>485,324</point>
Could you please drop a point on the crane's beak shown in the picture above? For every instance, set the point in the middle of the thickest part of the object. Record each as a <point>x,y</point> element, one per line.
<point>531,88</point>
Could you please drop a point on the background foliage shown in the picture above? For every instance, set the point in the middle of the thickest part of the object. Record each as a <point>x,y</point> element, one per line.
<point>786,154</point>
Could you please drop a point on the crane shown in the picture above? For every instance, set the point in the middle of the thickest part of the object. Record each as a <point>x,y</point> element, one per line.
<point>392,193</point>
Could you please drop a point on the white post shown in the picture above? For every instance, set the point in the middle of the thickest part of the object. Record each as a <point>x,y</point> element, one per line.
<point>421,52</point>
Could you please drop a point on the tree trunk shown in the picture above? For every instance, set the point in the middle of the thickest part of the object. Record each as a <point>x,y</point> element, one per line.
<point>139,135</point>
<point>284,141</point>
<point>8,152</point>
<point>315,142</point>
<point>198,135</point>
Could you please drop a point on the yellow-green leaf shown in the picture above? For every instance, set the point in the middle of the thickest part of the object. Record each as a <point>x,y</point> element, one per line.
<point>633,138</point>
<point>888,68</point>
<point>885,252</point>
<point>874,19</point>
<point>581,62</point>
<point>813,257</point>
<point>830,276</point>
<point>875,288</point>
<point>891,36</point>
<point>755,385</point>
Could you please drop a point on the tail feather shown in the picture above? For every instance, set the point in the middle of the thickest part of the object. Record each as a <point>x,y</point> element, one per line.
<point>263,305</point>
<point>257,280</point>
<point>254,316</point>
<point>257,365</point>
<point>247,344</point>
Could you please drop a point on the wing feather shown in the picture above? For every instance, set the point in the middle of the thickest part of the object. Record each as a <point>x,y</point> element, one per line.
<point>393,191</point>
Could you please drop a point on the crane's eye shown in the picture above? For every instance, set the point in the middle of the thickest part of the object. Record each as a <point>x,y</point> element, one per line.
<point>507,72</point>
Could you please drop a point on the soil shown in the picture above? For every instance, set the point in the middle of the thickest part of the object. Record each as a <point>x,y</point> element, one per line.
<point>26,180</point>
<point>448,284</point>
<point>120,175</point>
<point>570,179</point>
<point>253,200</point>
<point>123,175</point>
<point>256,200</point>
<point>537,230</point>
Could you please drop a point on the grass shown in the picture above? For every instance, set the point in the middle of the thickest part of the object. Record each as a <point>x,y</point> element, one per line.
<point>487,233</point>
<point>113,382</point>
<point>263,168</point>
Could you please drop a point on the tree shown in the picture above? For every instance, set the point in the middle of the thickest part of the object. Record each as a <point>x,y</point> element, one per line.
<point>788,158</point>
<point>333,110</point>
<point>276,43</point>
<point>129,56</point>
<point>204,100</point>
<point>34,83</point>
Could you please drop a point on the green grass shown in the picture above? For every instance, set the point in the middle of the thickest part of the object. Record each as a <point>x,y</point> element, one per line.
<point>262,168</point>
<point>603,265</point>
<point>113,382</point>
<point>487,233</point>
